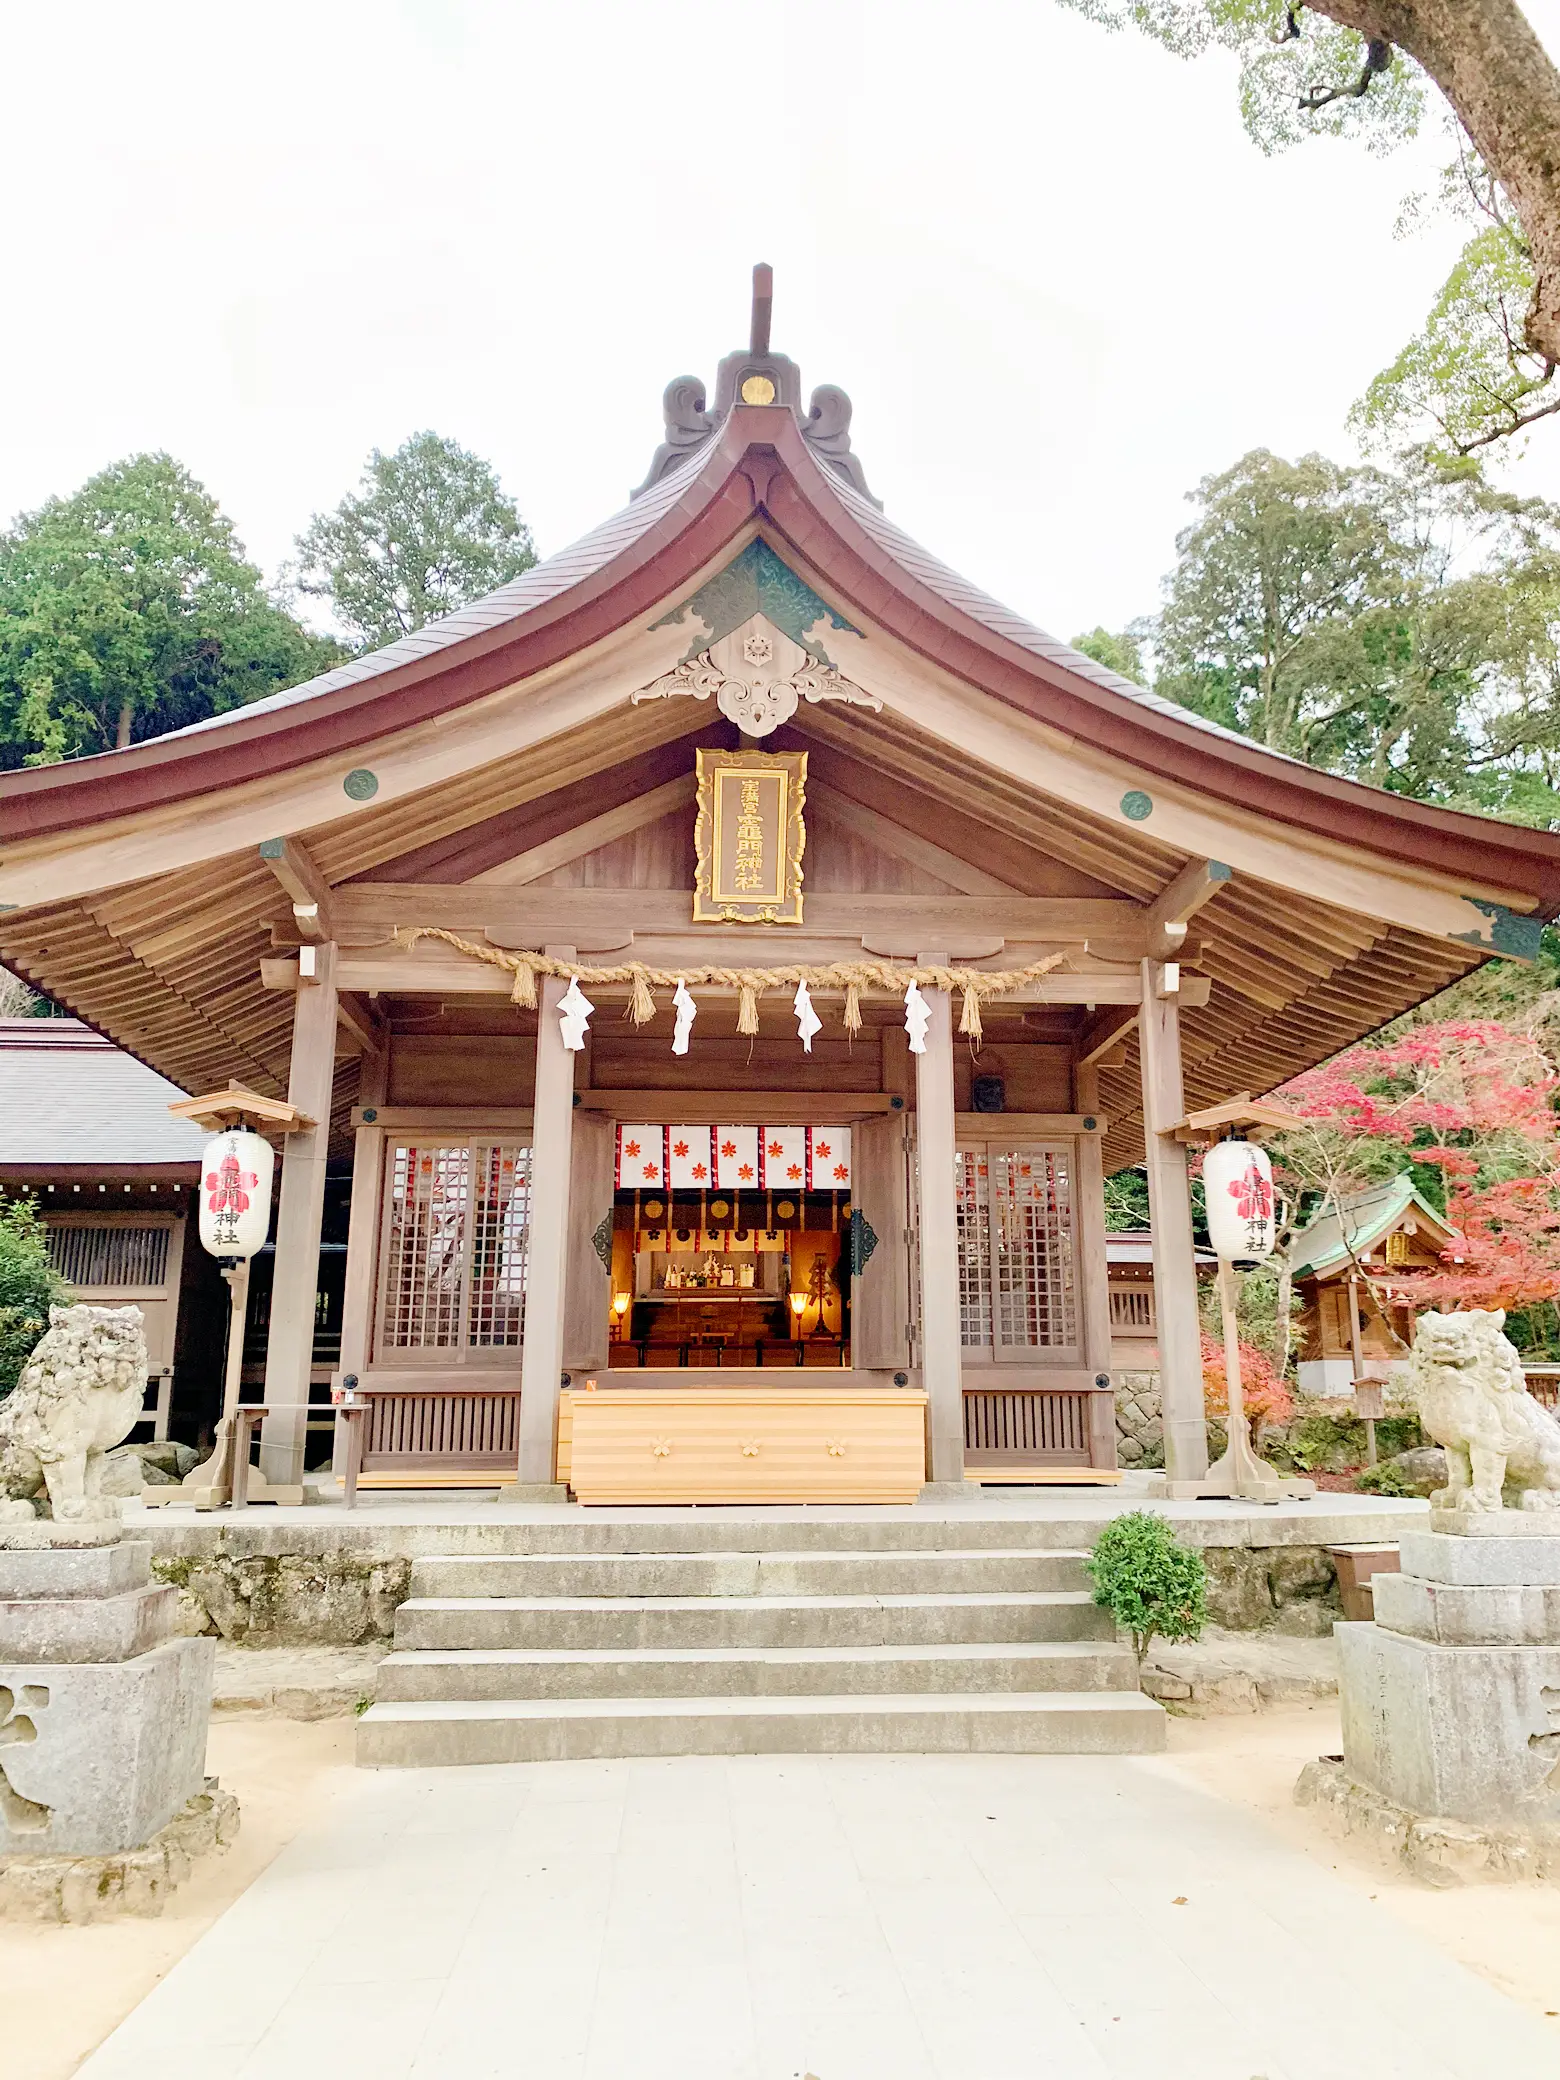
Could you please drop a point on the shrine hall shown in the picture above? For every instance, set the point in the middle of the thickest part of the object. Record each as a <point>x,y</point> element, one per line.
<point>732,957</point>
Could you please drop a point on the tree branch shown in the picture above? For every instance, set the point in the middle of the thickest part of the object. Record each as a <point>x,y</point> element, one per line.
<point>1378,58</point>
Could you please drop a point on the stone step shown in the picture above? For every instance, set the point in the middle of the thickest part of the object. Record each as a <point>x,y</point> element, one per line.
<point>702,1622</point>
<point>842,1572</point>
<point>426,1735</point>
<point>756,1672</point>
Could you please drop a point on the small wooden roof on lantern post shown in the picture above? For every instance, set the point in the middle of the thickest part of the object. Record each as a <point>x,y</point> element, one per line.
<point>220,1110</point>
<point>1244,1115</point>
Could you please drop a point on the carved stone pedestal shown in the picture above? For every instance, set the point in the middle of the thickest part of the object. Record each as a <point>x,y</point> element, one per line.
<point>102,1709</point>
<point>1451,1698</point>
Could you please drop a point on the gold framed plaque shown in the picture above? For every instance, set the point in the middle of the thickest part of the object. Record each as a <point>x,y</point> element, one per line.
<point>749,837</point>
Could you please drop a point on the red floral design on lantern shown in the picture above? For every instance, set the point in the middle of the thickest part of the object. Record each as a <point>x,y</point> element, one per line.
<point>1253,1195</point>
<point>229,1186</point>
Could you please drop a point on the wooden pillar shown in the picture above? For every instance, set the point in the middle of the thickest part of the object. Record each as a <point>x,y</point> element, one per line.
<point>942,1358</point>
<point>1093,1270</point>
<point>587,1281</point>
<point>362,1274</point>
<point>1170,1211</point>
<point>295,1282</point>
<point>552,1136</point>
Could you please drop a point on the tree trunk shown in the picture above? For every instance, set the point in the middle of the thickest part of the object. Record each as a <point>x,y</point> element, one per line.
<point>126,717</point>
<point>1491,67</point>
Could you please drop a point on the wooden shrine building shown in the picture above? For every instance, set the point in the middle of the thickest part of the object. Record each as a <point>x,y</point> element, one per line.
<point>747,735</point>
<point>1356,1313</point>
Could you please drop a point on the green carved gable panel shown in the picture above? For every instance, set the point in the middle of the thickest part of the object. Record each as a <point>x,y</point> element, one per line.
<point>757,582</point>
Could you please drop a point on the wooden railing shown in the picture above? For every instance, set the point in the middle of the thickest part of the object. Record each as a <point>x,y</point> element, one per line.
<point>447,1433</point>
<point>1029,1426</point>
<point>1543,1383</point>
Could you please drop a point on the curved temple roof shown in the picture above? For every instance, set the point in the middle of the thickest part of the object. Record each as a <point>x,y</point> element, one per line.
<point>134,887</point>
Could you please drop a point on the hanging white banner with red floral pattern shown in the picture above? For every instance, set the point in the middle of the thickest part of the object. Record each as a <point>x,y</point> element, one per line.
<point>736,1158</point>
<point>733,1159</point>
<point>641,1164</point>
<point>828,1159</point>
<point>688,1165</point>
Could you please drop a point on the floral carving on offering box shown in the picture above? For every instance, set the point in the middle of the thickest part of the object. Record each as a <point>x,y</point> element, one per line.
<point>749,837</point>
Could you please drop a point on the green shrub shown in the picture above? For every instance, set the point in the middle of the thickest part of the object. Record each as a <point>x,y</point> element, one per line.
<point>1154,1586</point>
<point>29,1285</point>
<point>1384,1480</point>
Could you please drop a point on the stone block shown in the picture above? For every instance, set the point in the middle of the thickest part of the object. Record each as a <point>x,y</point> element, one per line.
<point>43,1534</point>
<point>1463,1732</point>
<point>1497,1523</point>
<point>1468,1616</point>
<point>49,1571</point>
<point>87,1628</point>
<point>1490,1562</point>
<point>95,1757</point>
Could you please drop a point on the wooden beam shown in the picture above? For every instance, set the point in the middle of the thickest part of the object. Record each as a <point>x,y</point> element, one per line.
<point>1026,1126</point>
<point>366,1025</point>
<point>1102,1031</point>
<point>1170,913</point>
<point>449,974</point>
<point>367,912</point>
<point>290,860</point>
<point>734,1108</point>
<point>590,836</point>
<point>902,844</point>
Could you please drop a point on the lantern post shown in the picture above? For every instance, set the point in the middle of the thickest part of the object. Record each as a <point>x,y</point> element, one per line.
<point>1238,1190</point>
<point>236,1172</point>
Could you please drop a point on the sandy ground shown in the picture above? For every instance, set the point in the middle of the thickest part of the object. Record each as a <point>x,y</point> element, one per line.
<point>63,1989</point>
<point>1508,1934</point>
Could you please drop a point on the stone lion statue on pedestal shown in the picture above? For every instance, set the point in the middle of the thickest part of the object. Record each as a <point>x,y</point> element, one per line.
<point>79,1394</point>
<point>1502,1448</point>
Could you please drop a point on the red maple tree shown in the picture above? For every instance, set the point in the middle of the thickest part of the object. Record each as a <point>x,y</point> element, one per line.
<point>1473,1098</point>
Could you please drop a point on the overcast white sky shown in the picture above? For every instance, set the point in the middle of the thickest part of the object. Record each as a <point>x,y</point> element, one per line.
<point>1056,279</point>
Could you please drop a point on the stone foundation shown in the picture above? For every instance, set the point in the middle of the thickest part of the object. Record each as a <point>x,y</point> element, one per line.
<point>135,1882</point>
<point>275,1579</point>
<point>1436,1850</point>
<point>1140,1430</point>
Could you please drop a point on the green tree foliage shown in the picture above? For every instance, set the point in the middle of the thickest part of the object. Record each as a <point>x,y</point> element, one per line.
<point>1118,653</point>
<point>1401,627</point>
<point>29,1286</point>
<point>129,609</point>
<point>428,529</point>
<point>1482,368</point>
<point>1153,1586</point>
<point>1126,1200</point>
<point>1301,75</point>
<point>1469,378</point>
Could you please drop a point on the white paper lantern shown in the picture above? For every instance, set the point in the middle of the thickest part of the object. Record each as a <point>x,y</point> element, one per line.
<point>1238,1185</point>
<point>235,1193</point>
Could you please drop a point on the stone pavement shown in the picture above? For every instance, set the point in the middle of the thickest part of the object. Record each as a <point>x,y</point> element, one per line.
<point>851,1918</point>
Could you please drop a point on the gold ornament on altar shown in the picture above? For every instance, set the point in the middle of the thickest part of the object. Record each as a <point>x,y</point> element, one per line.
<point>749,837</point>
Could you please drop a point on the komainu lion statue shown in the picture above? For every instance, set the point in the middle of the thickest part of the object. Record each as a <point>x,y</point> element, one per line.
<point>79,1394</point>
<point>1502,1447</point>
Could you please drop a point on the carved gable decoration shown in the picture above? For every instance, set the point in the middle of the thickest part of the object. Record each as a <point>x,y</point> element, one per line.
<point>749,837</point>
<point>761,652</point>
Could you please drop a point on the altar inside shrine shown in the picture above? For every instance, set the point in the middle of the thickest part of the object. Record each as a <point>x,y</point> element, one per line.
<point>731,1247</point>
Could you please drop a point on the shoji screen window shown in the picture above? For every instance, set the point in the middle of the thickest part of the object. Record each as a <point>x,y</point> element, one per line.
<point>1018,1272</point>
<point>453,1253</point>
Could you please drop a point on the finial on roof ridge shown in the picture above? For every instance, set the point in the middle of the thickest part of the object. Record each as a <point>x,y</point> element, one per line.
<point>761,378</point>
